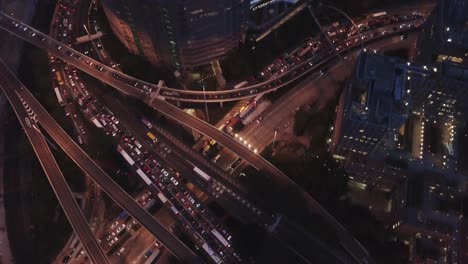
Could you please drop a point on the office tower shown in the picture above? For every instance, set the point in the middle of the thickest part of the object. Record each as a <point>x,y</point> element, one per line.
<point>178,33</point>
<point>372,109</point>
<point>445,35</point>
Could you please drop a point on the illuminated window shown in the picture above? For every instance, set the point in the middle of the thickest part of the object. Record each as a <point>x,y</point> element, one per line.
<point>442,58</point>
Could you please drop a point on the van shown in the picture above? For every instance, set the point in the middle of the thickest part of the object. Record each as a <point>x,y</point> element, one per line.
<point>120,251</point>
<point>138,144</point>
<point>215,159</point>
<point>174,181</point>
<point>137,151</point>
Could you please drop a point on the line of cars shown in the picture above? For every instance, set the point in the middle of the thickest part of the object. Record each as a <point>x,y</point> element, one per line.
<point>168,186</point>
<point>312,52</point>
<point>102,118</point>
<point>118,231</point>
<point>98,115</point>
<point>69,86</point>
<point>171,179</point>
<point>276,83</point>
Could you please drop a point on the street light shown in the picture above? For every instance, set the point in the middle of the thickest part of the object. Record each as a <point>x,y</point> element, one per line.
<point>323,31</point>
<point>92,42</point>
<point>352,22</point>
<point>274,140</point>
<point>206,104</point>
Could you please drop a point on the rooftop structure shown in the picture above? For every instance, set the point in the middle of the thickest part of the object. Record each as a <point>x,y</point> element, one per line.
<point>176,33</point>
<point>373,107</point>
<point>445,36</point>
<point>395,134</point>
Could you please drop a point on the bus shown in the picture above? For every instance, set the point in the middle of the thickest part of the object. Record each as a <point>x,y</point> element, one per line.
<point>304,51</point>
<point>96,122</point>
<point>59,78</point>
<point>143,176</point>
<point>74,242</point>
<point>256,113</point>
<point>379,14</point>
<point>59,96</point>
<point>152,137</point>
<point>126,157</point>
<point>220,238</point>
<point>202,174</point>
<point>240,85</point>
<point>174,210</point>
<point>247,109</point>
<point>211,253</point>
<point>162,197</point>
<point>250,107</point>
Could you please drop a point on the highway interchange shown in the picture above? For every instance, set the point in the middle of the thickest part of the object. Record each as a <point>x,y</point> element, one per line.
<point>101,178</point>
<point>55,176</point>
<point>175,113</point>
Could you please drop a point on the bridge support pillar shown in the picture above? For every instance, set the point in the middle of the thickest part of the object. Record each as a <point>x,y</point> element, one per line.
<point>154,95</point>
<point>160,85</point>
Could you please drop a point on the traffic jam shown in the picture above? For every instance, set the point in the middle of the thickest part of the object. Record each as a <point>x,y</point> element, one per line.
<point>163,182</point>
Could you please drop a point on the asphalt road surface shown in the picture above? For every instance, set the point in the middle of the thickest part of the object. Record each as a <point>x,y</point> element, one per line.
<point>51,169</point>
<point>91,168</point>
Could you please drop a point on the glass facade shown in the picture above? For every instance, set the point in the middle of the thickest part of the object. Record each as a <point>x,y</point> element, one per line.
<point>179,33</point>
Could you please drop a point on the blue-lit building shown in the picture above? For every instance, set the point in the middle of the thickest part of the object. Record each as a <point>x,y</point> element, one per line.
<point>445,35</point>
<point>394,135</point>
<point>409,173</point>
<point>373,107</point>
<point>178,33</point>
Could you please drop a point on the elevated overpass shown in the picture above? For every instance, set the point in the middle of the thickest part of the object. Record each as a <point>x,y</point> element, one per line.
<point>56,179</point>
<point>88,38</point>
<point>257,4</point>
<point>105,74</point>
<point>177,247</point>
<point>133,86</point>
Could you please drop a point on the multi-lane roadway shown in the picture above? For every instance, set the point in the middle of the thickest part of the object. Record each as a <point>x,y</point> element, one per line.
<point>127,84</point>
<point>94,68</point>
<point>65,196</point>
<point>91,168</point>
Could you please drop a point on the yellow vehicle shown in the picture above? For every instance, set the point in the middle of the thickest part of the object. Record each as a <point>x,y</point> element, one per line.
<point>59,78</point>
<point>152,137</point>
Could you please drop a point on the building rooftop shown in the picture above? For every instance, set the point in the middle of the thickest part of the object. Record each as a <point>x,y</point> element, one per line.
<point>451,21</point>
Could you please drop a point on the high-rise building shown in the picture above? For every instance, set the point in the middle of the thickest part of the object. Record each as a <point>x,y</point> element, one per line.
<point>394,105</point>
<point>394,134</point>
<point>178,33</point>
<point>373,106</point>
<point>445,35</point>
